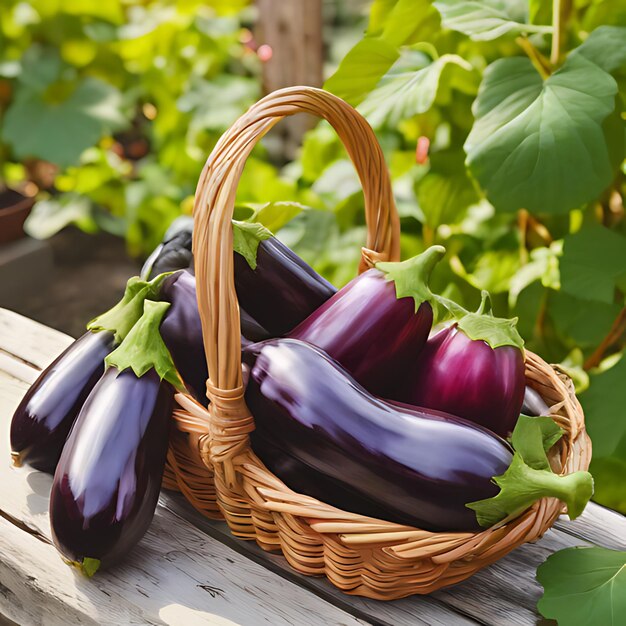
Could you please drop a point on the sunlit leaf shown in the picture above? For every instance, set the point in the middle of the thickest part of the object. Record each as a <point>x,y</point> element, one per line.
<point>48,217</point>
<point>541,145</point>
<point>483,20</point>
<point>411,86</point>
<point>606,47</point>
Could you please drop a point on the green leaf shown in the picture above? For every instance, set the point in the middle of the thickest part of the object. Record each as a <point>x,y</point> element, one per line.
<point>584,586</point>
<point>593,262</point>
<point>60,132</point>
<point>143,349</point>
<point>411,277</point>
<point>604,404</point>
<point>379,12</point>
<point>411,87</point>
<point>543,145</point>
<point>274,215</point>
<point>361,69</point>
<point>50,216</point>
<point>410,21</point>
<point>529,477</point>
<point>484,20</point>
<point>492,271</point>
<point>608,475</point>
<point>606,47</point>
<point>246,239</point>
<point>124,315</point>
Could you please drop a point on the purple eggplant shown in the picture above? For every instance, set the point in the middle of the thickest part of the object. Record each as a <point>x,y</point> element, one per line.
<point>474,369</point>
<point>182,331</point>
<point>378,323</point>
<point>107,482</point>
<point>321,432</point>
<point>534,405</point>
<point>44,417</point>
<point>325,436</point>
<point>174,252</point>
<point>274,285</point>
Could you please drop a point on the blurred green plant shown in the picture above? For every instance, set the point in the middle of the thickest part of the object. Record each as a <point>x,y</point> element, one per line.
<point>110,108</point>
<point>504,131</point>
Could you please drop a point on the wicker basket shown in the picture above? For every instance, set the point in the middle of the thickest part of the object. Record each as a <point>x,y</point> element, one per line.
<point>210,458</point>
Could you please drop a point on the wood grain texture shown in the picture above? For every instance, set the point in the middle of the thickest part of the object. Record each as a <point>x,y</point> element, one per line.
<point>183,550</point>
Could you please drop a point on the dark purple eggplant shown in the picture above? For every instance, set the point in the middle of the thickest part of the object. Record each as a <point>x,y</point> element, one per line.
<point>400,463</point>
<point>44,417</point>
<point>325,436</point>
<point>377,324</point>
<point>174,252</point>
<point>182,332</point>
<point>274,285</point>
<point>473,369</point>
<point>107,482</point>
<point>534,405</point>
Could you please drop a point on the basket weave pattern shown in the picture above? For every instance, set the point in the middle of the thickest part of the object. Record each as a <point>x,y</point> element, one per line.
<point>210,459</point>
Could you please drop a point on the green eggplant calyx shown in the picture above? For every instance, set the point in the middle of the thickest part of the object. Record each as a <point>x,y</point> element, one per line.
<point>123,316</point>
<point>530,477</point>
<point>88,566</point>
<point>411,277</point>
<point>143,348</point>
<point>484,326</point>
<point>246,239</point>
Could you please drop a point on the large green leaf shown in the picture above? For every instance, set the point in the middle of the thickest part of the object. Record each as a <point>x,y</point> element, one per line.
<point>584,586</point>
<point>412,85</point>
<point>361,69</point>
<point>60,132</point>
<point>604,404</point>
<point>593,263</point>
<point>606,47</point>
<point>410,21</point>
<point>483,20</point>
<point>608,474</point>
<point>544,145</point>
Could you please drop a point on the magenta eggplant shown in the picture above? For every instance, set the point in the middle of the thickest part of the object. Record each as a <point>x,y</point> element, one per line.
<point>282,290</point>
<point>321,432</point>
<point>373,327</point>
<point>469,378</point>
<point>44,417</point>
<point>107,482</point>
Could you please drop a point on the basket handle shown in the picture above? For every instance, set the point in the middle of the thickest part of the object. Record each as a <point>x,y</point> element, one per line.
<point>213,211</point>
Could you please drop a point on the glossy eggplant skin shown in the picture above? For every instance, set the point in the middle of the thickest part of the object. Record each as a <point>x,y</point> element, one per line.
<point>282,291</point>
<point>470,379</point>
<point>534,405</point>
<point>44,417</point>
<point>319,431</point>
<point>107,482</point>
<point>181,331</point>
<point>373,334</point>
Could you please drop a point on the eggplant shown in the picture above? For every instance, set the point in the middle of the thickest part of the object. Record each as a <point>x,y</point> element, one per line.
<point>174,252</point>
<point>534,405</point>
<point>274,285</point>
<point>182,331</point>
<point>474,369</point>
<point>362,454</point>
<point>44,417</point>
<point>107,481</point>
<point>378,323</point>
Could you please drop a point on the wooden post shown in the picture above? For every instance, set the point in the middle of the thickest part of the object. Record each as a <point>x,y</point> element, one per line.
<point>293,31</point>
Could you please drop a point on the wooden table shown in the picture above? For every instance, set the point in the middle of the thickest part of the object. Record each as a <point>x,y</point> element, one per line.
<point>188,570</point>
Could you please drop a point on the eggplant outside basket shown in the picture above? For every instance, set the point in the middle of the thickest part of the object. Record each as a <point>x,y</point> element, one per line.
<point>210,459</point>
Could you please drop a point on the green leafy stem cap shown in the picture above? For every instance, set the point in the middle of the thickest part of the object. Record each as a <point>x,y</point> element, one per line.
<point>484,326</point>
<point>246,239</point>
<point>143,348</point>
<point>530,477</point>
<point>123,316</point>
<point>411,277</point>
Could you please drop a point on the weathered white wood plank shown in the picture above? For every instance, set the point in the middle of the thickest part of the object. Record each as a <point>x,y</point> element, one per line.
<point>505,593</point>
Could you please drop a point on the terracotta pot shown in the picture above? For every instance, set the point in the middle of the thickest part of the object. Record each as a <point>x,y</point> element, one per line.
<point>14,209</point>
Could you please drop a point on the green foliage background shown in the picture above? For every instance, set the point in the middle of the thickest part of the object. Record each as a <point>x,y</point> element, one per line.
<point>505,144</point>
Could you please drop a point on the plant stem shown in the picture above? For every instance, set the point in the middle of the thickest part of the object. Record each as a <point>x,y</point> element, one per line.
<point>617,330</point>
<point>556,32</point>
<point>536,58</point>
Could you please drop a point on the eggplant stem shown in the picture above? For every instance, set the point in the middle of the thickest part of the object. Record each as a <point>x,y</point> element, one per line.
<point>17,459</point>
